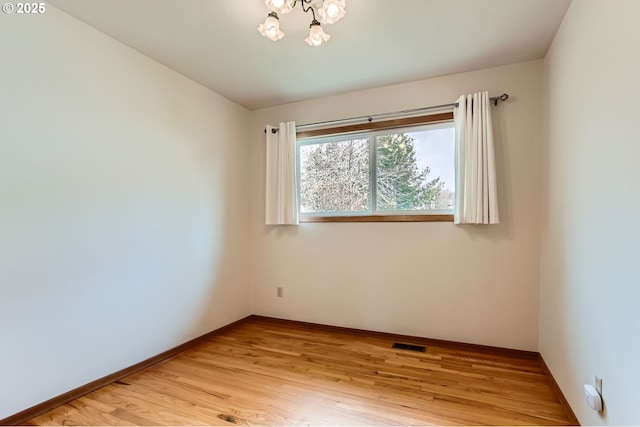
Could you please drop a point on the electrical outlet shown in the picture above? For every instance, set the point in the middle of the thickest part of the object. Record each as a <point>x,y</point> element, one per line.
<point>599,385</point>
<point>279,292</point>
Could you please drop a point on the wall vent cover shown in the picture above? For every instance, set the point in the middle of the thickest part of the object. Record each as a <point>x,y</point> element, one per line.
<point>409,347</point>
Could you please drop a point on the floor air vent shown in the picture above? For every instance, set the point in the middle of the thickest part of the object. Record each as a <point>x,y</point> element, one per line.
<point>409,347</point>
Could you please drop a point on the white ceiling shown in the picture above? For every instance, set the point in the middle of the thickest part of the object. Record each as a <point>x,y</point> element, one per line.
<point>379,42</point>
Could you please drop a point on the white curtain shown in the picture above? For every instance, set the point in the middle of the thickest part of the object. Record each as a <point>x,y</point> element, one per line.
<point>281,199</point>
<point>476,193</point>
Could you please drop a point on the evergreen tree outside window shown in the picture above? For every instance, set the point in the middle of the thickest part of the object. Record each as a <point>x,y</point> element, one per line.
<point>406,171</point>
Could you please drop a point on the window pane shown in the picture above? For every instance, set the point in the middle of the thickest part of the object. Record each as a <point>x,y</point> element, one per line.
<point>415,170</point>
<point>334,177</point>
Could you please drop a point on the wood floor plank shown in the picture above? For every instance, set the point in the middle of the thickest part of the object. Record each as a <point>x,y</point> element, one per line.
<point>271,373</point>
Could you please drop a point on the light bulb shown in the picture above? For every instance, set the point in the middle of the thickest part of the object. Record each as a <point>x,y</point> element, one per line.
<point>271,27</point>
<point>332,11</point>
<point>279,6</point>
<point>317,36</point>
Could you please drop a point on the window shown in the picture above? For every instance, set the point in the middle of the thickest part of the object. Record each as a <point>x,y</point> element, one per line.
<point>400,174</point>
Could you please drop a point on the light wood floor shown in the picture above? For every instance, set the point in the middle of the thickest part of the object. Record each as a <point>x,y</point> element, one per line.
<point>271,373</point>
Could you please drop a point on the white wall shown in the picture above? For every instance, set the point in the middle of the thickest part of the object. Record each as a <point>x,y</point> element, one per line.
<point>461,283</point>
<point>590,282</point>
<point>123,208</point>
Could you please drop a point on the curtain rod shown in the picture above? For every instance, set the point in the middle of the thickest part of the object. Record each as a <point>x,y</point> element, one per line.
<point>370,118</point>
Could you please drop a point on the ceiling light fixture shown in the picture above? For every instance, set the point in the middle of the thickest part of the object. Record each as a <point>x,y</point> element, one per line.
<point>330,12</point>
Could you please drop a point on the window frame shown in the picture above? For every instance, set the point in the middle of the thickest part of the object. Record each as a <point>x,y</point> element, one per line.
<point>370,131</point>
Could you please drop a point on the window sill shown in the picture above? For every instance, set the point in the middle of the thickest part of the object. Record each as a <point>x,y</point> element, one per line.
<point>380,218</point>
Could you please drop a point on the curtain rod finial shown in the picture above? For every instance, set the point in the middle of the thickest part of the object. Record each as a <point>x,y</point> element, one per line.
<point>502,97</point>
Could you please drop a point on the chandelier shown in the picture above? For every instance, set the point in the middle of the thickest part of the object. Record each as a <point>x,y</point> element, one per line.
<point>330,12</point>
